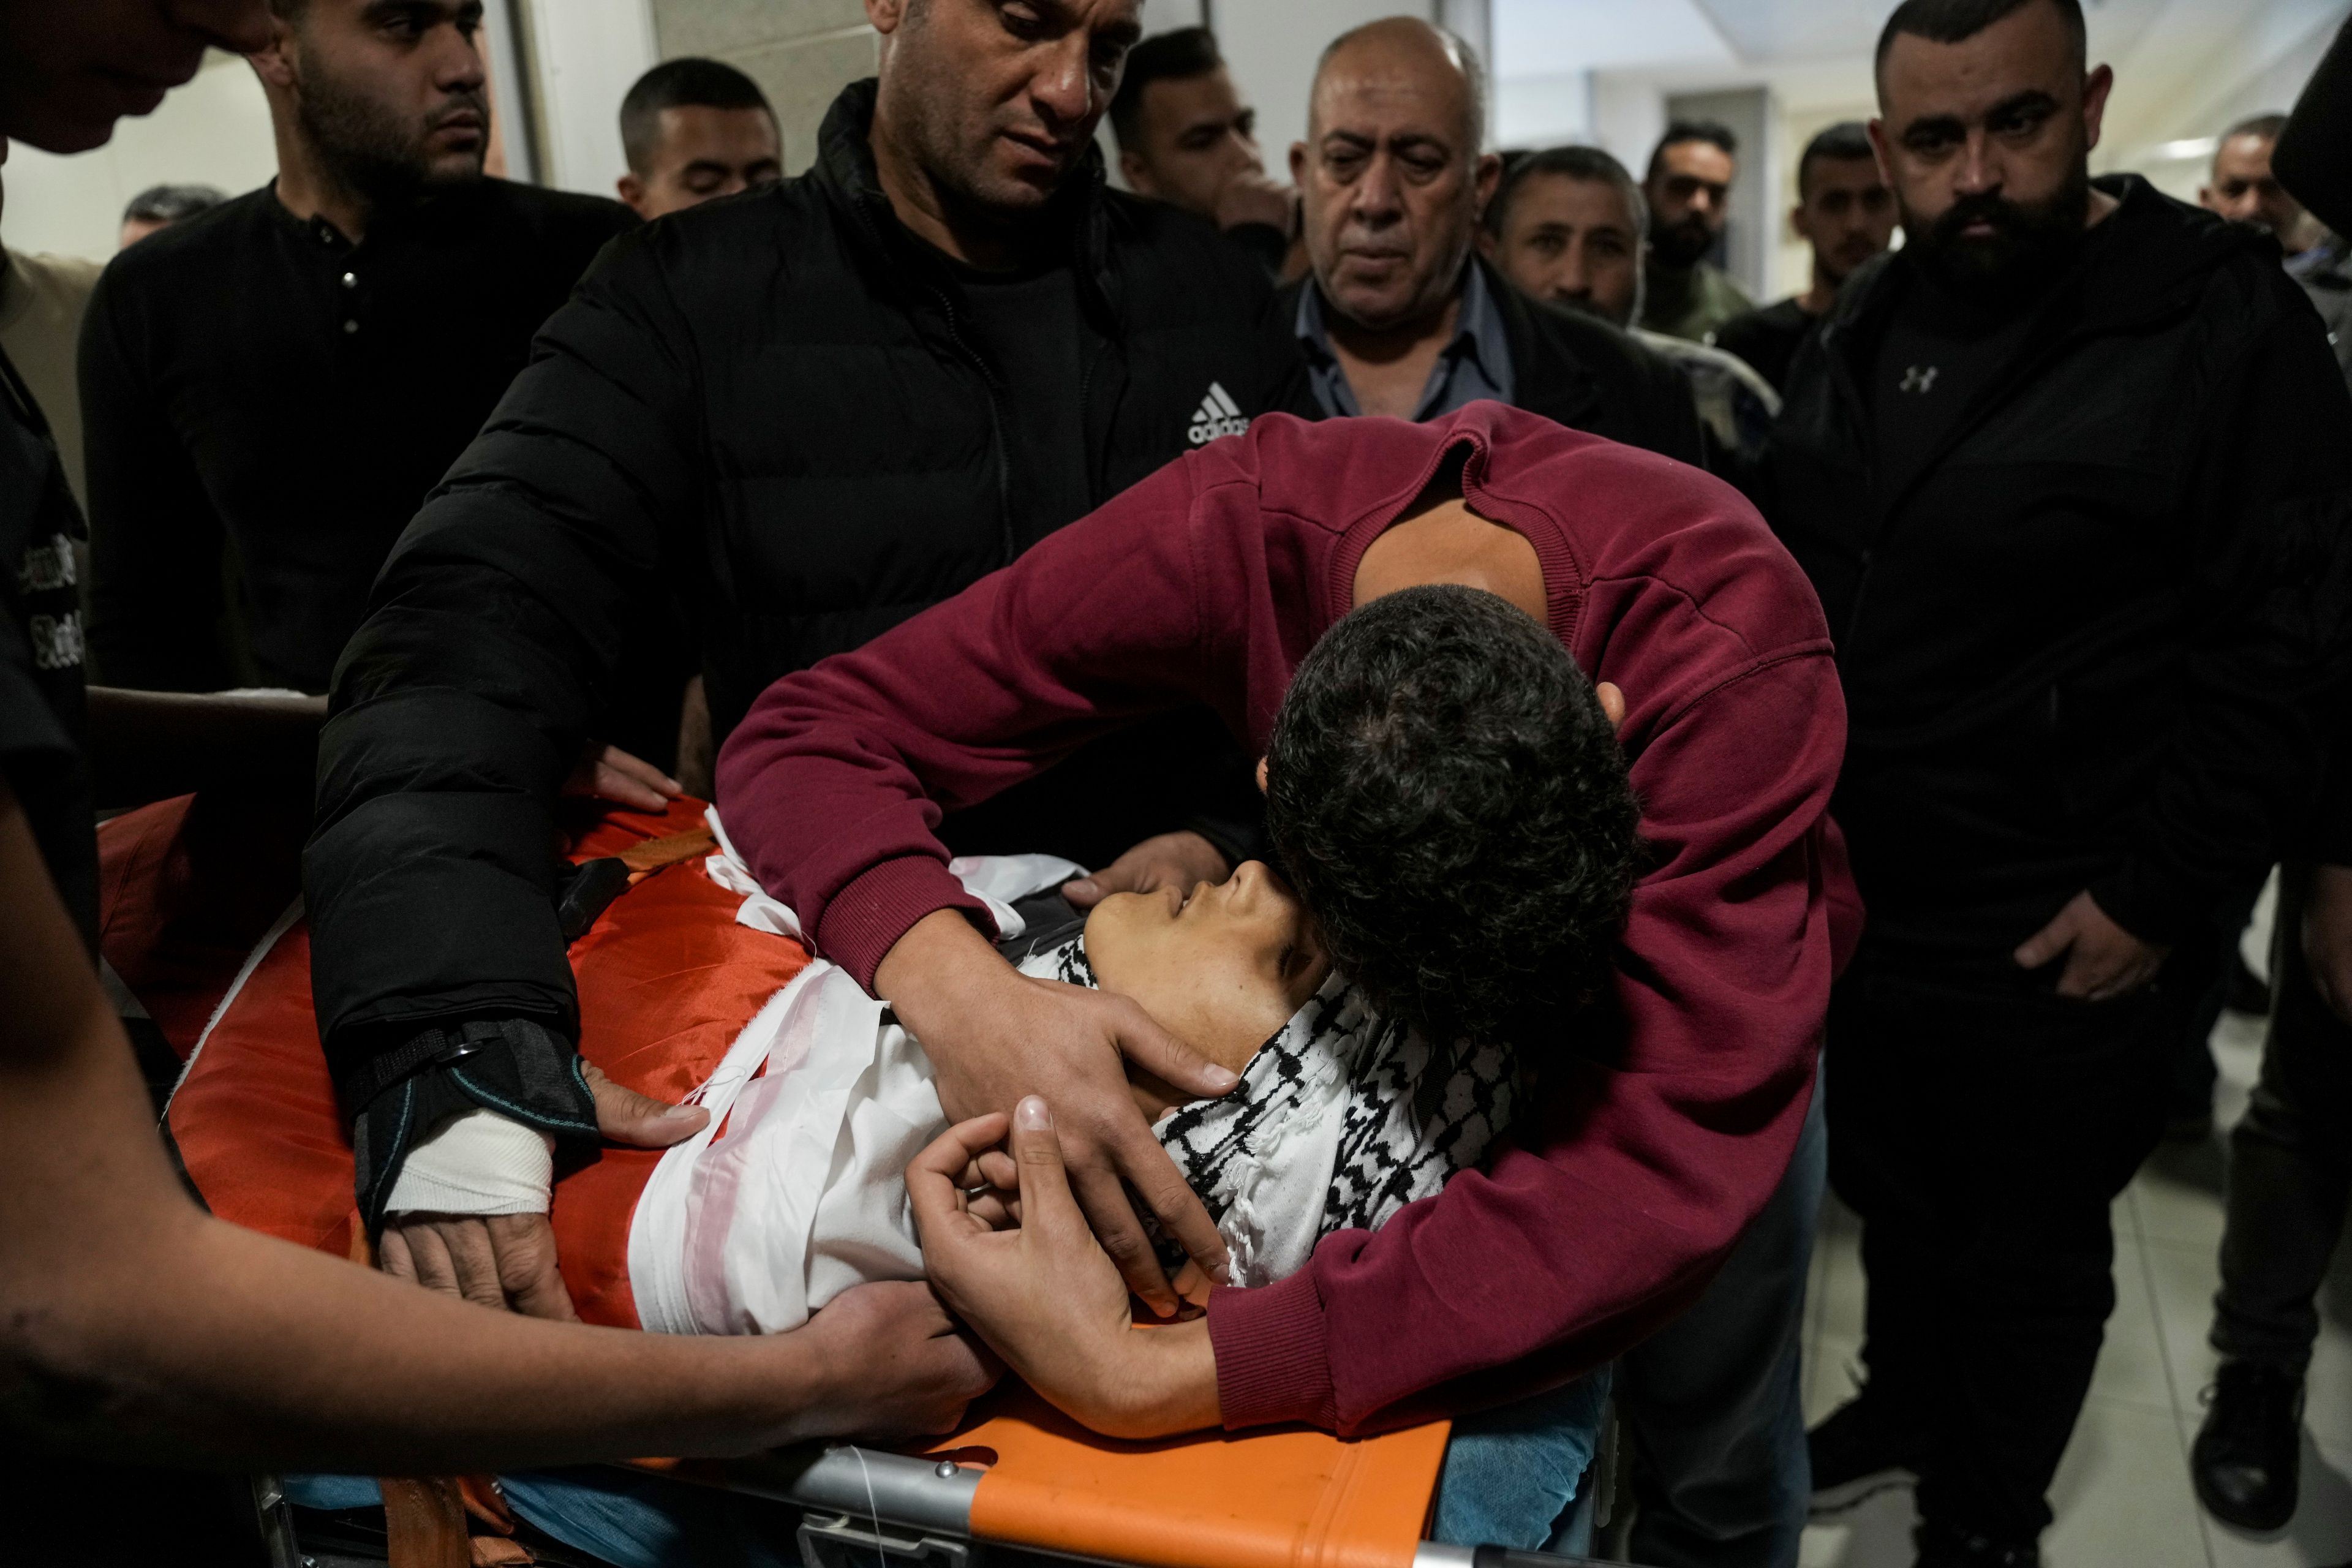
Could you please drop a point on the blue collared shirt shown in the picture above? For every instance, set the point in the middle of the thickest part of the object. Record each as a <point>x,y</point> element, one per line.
<point>1476,364</point>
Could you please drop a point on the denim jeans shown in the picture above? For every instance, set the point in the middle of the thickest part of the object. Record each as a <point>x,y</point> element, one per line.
<point>622,1517</point>
<point>1513,1476</point>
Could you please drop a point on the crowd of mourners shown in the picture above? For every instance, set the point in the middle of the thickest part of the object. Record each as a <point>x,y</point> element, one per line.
<point>1746,750</point>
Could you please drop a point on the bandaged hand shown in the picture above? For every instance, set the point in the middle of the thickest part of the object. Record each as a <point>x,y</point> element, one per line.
<point>1030,1278</point>
<point>994,1035</point>
<point>467,1215</point>
<point>1183,860</point>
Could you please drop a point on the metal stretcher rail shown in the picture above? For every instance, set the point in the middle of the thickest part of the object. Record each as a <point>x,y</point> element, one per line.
<point>867,1506</point>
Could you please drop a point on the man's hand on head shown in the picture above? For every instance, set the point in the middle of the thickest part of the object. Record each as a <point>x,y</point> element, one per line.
<point>1183,860</point>
<point>2104,961</point>
<point>996,1035</point>
<point>508,1259</point>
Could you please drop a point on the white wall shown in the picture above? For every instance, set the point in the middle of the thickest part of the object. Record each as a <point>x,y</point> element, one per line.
<point>589,54</point>
<point>215,131</point>
<point>1271,47</point>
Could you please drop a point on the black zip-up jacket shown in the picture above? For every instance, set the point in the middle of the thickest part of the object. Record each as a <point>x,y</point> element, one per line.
<point>1579,370</point>
<point>773,407</point>
<point>2083,647</point>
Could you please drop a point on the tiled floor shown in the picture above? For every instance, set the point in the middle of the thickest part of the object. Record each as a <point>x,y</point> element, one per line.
<point>2123,1496</point>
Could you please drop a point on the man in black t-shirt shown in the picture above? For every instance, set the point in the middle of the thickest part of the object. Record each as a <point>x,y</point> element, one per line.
<point>269,389</point>
<point>2071,473</point>
<point>1846,214</point>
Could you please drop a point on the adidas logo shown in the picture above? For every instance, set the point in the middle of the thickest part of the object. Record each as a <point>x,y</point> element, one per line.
<point>1218,415</point>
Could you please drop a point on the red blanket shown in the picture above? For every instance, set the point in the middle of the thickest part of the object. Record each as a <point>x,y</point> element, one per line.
<point>666,980</point>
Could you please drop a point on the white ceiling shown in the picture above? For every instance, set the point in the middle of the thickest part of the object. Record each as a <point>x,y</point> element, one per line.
<point>2179,63</point>
<point>1765,31</point>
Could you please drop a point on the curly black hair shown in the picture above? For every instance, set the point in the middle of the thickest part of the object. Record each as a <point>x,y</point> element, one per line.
<point>1451,803</point>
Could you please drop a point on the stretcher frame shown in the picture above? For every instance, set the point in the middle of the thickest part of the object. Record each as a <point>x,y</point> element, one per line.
<point>861,1508</point>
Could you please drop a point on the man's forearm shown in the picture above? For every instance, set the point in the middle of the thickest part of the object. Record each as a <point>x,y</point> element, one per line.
<point>1175,1385</point>
<point>250,1352</point>
<point>941,960</point>
<point>145,745</point>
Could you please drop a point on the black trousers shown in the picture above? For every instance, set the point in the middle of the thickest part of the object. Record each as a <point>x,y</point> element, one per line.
<point>2290,1164</point>
<point>1982,1129</point>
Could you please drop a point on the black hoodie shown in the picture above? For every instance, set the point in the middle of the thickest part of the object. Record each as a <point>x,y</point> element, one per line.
<point>775,408</point>
<point>2084,645</point>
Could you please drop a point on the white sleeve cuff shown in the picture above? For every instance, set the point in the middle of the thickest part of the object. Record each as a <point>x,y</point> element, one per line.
<point>477,1162</point>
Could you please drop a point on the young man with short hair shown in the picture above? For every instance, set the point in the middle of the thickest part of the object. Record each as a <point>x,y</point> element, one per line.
<point>1186,137</point>
<point>271,388</point>
<point>694,129</point>
<point>1688,187</point>
<point>1209,583</point>
<point>2071,471</point>
<point>1845,213</point>
<point>1565,226</point>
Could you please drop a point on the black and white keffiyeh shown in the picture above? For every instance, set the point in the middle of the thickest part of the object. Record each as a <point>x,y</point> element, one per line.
<point>1343,1117</point>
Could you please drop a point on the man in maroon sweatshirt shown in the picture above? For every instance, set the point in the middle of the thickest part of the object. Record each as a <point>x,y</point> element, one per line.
<point>1208,582</point>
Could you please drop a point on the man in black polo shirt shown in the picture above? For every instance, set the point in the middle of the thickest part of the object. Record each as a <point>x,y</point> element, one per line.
<point>271,388</point>
<point>2071,473</point>
<point>807,413</point>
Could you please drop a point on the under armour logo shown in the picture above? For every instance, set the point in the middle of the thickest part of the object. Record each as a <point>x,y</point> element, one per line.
<point>1920,378</point>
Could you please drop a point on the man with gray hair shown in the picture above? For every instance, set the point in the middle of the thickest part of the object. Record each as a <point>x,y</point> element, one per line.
<point>1398,316</point>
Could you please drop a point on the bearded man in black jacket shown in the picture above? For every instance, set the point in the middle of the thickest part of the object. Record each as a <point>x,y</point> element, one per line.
<point>2071,473</point>
<point>807,412</point>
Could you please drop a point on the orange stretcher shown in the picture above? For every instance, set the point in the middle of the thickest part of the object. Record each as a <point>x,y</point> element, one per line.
<point>667,978</point>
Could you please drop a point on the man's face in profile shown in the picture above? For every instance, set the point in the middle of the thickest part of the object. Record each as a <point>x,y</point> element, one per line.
<point>69,68</point>
<point>1391,184</point>
<point>391,93</point>
<point>1571,242</point>
<point>1194,137</point>
<point>998,99</point>
<point>1847,213</point>
<point>2243,190</point>
<point>703,152</point>
<point>1689,192</point>
<point>1987,142</point>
